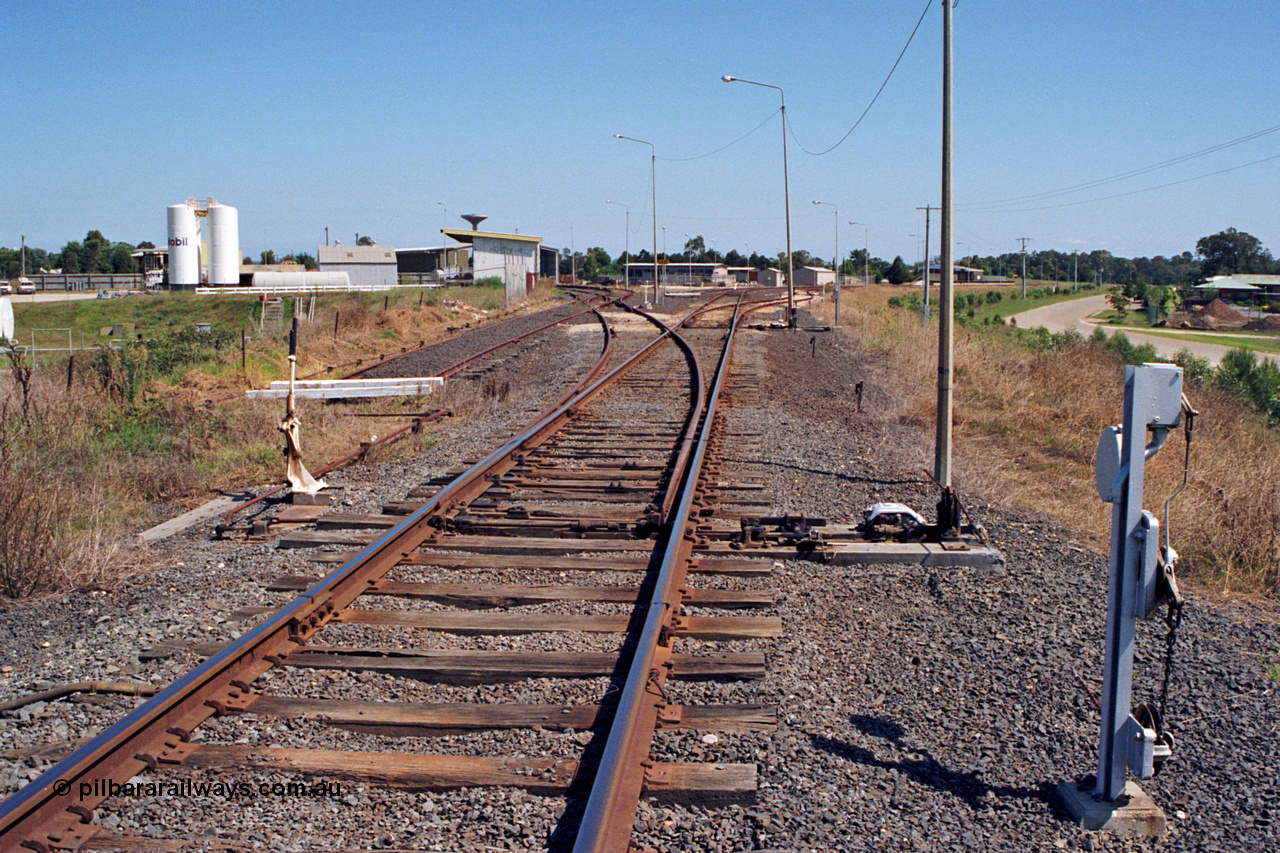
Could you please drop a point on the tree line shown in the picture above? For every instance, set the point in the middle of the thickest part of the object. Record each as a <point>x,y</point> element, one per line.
<point>96,254</point>
<point>1225,253</point>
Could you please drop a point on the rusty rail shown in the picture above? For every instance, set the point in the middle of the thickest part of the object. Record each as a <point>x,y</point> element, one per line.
<point>49,813</point>
<point>610,811</point>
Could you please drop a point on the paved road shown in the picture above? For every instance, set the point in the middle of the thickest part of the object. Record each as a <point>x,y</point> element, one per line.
<point>1074,314</point>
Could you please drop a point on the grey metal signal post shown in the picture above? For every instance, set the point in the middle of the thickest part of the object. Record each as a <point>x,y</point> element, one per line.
<point>1152,406</point>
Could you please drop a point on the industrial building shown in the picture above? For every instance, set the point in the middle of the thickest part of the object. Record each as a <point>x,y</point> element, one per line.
<point>365,266</point>
<point>814,276</point>
<point>432,263</point>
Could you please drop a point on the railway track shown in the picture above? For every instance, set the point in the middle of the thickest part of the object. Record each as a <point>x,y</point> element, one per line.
<point>577,555</point>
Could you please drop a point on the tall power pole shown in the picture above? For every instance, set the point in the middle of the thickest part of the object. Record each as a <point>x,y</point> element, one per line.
<point>927,211</point>
<point>946,301</point>
<point>1024,240</point>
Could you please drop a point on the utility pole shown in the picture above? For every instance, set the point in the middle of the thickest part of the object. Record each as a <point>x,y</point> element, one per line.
<point>946,306</point>
<point>926,210</point>
<point>1024,240</point>
<point>24,255</point>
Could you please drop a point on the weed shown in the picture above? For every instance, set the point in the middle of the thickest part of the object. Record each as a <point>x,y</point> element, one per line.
<point>1271,669</point>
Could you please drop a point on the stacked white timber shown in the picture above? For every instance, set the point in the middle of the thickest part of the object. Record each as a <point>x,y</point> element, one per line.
<point>328,389</point>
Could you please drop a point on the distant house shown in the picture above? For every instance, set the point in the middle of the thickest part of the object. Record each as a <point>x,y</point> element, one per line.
<point>1253,287</point>
<point>769,277</point>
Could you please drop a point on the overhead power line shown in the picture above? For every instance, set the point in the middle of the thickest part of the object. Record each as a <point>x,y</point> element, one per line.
<point>1043,196</point>
<point>1137,192</point>
<point>874,97</point>
<point>767,119</point>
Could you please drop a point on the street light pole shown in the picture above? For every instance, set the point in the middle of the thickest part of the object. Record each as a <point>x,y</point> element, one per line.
<point>626,240</point>
<point>866,253</point>
<point>835,264</point>
<point>653,173</point>
<point>444,245</point>
<point>786,195</point>
<point>667,258</point>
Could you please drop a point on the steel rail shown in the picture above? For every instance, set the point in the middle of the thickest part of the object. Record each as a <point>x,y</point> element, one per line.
<point>423,346</point>
<point>609,816</point>
<point>459,366</point>
<point>49,812</point>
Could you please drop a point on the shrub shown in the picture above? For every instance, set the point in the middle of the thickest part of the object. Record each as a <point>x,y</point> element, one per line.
<point>1196,370</point>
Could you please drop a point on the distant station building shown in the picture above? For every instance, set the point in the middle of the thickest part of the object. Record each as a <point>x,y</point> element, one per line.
<point>514,258</point>
<point>365,266</point>
<point>685,275</point>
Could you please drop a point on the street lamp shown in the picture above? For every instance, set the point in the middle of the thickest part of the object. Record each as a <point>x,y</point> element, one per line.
<point>444,246</point>
<point>786,195</point>
<point>654,180</point>
<point>866,254</point>
<point>835,264</point>
<point>626,240</point>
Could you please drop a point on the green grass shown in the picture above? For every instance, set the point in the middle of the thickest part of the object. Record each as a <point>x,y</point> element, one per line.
<point>1235,338</point>
<point>1272,670</point>
<point>150,315</point>
<point>1011,301</point>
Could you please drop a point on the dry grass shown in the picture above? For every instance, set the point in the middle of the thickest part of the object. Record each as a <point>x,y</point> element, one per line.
<point>1027,426</point>
<point>79,467</point>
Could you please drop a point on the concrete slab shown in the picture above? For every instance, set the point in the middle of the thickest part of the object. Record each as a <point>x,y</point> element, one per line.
<point>973,554</point>
<point>1133,814</point>
<point>216,507</point>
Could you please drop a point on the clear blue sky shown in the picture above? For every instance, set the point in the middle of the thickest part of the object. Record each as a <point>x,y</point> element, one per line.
<point>377,117</point>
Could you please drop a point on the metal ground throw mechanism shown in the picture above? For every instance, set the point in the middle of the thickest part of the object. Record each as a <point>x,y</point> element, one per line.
<point>297,475</point>
<point>1141,580</point>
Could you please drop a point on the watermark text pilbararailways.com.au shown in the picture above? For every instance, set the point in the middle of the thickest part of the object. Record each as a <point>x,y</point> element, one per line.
<point>97,789</point>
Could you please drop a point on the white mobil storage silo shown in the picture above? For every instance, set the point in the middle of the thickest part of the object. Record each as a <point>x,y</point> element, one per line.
<point>224,245</point>
<point>184,246</point>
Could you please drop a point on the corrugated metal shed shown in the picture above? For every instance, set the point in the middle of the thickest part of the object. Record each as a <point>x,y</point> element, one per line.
<point>366,266</point>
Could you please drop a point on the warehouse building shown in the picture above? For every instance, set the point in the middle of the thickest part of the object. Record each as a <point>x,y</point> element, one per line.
<point>814,277</point>
<point>365,266</point>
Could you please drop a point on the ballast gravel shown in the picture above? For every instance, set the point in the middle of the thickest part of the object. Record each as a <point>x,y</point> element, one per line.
<point>918,709</point>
